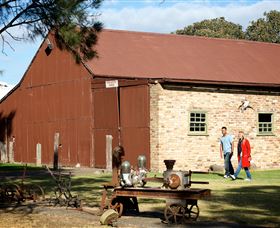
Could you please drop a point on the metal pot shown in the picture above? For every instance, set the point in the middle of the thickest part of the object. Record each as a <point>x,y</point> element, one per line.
<point>125,167</point>
<point>141,160</point>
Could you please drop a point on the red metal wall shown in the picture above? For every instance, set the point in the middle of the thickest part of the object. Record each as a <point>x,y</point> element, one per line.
<point>58,96</point>
<point>54,96</point>
<point>105,122</point>
<point>135,122</point>
<point>125,108</point>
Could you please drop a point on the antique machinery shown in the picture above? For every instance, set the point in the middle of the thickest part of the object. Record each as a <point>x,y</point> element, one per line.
<point>177,179</point>
<point>126,175</point>
<point>177,210</point>
<point>142,170</point>
<point>62,191</point>
<point>130,177</point>
<point>21,192</point>
<point>181,199</point>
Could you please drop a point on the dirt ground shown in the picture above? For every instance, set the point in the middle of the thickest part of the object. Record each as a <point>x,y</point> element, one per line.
<point>43,215</point>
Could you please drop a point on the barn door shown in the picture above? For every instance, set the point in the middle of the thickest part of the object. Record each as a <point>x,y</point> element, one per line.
<point>105,115</point>
<point>123,113</point>
<point>134,121</point>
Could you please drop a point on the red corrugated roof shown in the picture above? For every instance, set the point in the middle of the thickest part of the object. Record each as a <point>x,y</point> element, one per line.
<point>152,55</point>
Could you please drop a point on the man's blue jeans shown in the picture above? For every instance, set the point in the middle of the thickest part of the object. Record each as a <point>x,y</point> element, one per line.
<point>228,165</point>
<point>239,167</point>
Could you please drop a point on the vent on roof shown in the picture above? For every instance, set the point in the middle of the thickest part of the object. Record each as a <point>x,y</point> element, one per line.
<point>49,47</point>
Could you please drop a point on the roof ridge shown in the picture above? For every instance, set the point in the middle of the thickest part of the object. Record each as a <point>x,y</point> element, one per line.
<point>191,37</point>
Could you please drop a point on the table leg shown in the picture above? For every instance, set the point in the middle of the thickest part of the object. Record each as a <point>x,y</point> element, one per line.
<point>135,203</point>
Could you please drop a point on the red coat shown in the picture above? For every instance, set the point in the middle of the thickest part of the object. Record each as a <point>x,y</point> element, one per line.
<point>246,153</point>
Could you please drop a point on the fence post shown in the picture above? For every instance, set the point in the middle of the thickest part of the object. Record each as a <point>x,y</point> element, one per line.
<point>55,155</point>
<point>3,148</point>
<point>109,139</point>
<point>11,151</point>
<point>38,154</point>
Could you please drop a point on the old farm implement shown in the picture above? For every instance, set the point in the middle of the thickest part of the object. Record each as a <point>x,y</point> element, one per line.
<point>181,199</point>
<point>21,192</point>
<point>62,190</point>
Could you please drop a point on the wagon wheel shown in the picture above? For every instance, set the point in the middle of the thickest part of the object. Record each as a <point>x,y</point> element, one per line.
<point>12,193</point>
<point>192,212</point>
<point>35,192</point>
<point>174,213</point>
<point>117,205</point>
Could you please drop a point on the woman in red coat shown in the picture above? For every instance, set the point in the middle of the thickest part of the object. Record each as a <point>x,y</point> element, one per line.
<point>244,156</point>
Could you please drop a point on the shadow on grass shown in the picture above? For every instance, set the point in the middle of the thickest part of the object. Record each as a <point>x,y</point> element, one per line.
<point>258,205</point>
<point>88,188</point>
<point>245,205</point>
<point>18,208</point>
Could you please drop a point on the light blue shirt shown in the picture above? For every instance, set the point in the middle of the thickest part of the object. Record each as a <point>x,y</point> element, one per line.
<point>226,142</point>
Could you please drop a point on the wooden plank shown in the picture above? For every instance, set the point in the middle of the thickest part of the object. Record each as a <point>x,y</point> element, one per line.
<point>163,193</point>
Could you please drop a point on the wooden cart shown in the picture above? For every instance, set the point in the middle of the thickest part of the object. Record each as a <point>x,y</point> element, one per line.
<point>181,205</point>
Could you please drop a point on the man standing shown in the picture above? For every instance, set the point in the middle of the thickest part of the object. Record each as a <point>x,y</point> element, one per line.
<point>226,151</point>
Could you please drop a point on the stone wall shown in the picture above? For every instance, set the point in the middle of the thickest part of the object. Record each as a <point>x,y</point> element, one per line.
<point>169,127</point>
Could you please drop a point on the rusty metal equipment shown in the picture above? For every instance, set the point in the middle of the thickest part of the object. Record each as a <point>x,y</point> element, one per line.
<point>131,177</point>
<point>181,205</point>
<point>22,192</point>
<point>123,175</point>
<point>177,179</point>
<point>62,191</point>
<point>177,210</point>
<point>181,199</point>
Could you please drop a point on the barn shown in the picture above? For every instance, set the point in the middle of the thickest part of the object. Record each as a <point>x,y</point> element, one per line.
<point>162,95</point>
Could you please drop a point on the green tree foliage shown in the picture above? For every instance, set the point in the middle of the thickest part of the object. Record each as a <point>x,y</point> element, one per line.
<point>73,22</point>
<point>265,29</point>
<point>218,27</point>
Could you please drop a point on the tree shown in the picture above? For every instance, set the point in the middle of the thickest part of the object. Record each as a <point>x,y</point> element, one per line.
<point>72,22</point>
<point>218,27</point>
<point>265,29</point>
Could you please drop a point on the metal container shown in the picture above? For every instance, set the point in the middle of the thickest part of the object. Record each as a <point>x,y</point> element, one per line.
<point>141,161</point>
<point>125,167</point>
<point>176,179</point>
<point>169,164</point>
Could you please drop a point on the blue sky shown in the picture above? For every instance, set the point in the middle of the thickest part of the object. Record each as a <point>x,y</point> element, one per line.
<point>145,15</point>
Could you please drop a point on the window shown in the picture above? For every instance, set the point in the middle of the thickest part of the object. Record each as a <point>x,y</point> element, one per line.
<point>265,123</point>
<point>198,123</point>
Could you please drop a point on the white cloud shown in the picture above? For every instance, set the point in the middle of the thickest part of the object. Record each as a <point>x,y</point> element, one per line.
<point>160,18</point>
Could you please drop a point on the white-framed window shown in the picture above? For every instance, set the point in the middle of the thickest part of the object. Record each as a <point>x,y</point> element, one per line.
<point>198,122</point>
<point>265,123</point>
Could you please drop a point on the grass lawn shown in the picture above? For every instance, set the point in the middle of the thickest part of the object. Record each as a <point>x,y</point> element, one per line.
<point>246,203</point>
<point>251,203</point>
